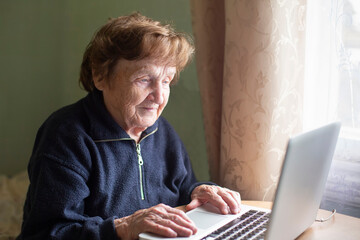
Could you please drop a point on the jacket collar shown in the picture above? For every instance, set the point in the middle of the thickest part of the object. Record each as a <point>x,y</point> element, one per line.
<point>102,126</point>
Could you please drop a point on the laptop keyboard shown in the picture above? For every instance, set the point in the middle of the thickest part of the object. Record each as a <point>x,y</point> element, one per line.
<point>250,225</point>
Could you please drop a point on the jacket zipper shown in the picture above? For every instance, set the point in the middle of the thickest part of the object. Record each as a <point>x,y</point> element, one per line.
<point>140,159</point>
<point>140,163</point>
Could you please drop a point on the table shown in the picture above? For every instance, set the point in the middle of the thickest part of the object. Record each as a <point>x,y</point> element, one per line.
<point>340,226</point>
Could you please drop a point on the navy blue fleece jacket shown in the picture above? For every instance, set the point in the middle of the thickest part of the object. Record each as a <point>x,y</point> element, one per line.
<point>85,171</point>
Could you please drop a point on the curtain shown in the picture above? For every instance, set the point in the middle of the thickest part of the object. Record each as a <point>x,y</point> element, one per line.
<point>250,66</point>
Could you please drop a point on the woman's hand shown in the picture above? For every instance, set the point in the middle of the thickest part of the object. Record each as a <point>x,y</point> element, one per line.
<point>226,200</point>
<point>160,219</point>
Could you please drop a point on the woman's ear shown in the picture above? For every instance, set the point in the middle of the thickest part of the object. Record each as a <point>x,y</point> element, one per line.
<point>99,82</point>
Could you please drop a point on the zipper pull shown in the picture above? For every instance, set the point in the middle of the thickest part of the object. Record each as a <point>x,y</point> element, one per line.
<point>140,162</point>
<point>138,150</point>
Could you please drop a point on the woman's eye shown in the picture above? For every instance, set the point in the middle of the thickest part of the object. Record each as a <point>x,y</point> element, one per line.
<point>167,81</point>
<point>144,80</point>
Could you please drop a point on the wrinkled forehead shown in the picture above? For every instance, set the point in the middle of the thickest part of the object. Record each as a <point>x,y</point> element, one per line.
<point>148,66</point>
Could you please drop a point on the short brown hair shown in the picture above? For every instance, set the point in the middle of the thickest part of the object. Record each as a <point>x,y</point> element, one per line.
<point>133,37</point>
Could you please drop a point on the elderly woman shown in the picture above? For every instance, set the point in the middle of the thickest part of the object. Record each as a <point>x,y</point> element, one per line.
<point>109,166</point>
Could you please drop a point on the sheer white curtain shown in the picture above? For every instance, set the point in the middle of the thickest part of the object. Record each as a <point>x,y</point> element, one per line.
<point>332,92</point>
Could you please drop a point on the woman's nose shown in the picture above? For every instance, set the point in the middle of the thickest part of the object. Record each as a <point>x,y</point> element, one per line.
<point>156,94</point>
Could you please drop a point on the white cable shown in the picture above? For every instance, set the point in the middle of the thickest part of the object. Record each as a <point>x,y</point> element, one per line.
<point>328,218</point>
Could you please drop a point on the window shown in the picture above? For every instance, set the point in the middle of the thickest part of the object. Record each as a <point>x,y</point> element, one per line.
<point>332,93</point>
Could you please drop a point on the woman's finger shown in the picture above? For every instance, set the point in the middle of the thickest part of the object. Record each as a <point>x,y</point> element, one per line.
<point>226,200</point>
<point>230,199</point>
<point>219,202</point>
<point>174,225</point>
<point>193,204</point>
<point>179,216</point>
<point>162,217</point>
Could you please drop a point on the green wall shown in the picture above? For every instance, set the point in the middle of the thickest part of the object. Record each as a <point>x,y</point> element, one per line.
<point>41,47</point>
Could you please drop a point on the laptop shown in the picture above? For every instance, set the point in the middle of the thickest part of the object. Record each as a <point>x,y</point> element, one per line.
<point>302,181</point>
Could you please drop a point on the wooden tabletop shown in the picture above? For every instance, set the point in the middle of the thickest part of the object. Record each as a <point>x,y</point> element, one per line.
<point>340,226</point>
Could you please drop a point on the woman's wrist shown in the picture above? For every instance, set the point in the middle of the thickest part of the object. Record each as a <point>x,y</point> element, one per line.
<point>122,228</point>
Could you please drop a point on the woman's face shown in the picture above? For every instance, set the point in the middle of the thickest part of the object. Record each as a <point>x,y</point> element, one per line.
<point>137,92</point>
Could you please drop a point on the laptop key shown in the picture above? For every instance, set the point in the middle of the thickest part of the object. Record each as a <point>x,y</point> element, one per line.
<point>250,225</point>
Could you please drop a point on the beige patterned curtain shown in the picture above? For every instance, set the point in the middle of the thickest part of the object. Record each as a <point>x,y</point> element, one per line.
<point>250,64</point>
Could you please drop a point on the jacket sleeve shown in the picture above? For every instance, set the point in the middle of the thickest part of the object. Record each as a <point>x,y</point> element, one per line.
<point>55,204</point>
